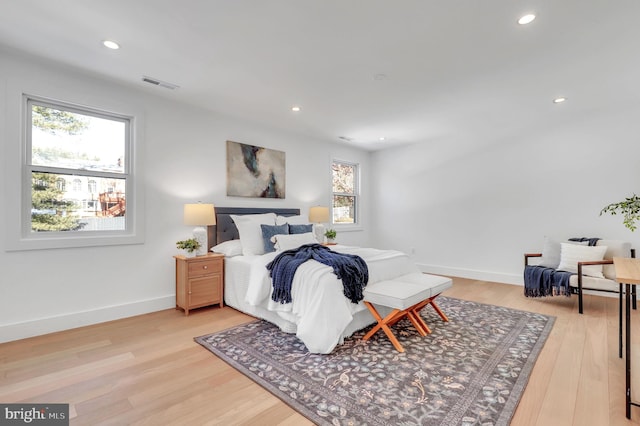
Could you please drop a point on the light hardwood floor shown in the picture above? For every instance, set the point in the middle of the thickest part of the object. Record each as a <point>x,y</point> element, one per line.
<point>148,369</point>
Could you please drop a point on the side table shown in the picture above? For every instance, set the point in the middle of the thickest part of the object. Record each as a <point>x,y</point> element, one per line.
<point>628,273</point>
<point>199,281</point>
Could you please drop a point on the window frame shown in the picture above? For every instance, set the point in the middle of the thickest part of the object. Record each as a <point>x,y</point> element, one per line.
<point>355,195</point>
<point>19,234</point>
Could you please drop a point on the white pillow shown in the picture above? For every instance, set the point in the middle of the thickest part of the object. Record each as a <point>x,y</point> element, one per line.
<point>292,220</point>
<point>291,241</point>
<point>550,253</point>
<point>616,248</point>
<point>229,248</point>
<point>250,232</point>
<point>571,254</point>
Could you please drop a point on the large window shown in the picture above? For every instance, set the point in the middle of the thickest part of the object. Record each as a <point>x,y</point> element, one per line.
<point>345,192</point>
<point>77,171</point>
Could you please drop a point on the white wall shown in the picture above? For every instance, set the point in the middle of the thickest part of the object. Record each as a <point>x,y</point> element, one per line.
<point>475,214</point>
<point>468,212</point>
<point>183,155</point>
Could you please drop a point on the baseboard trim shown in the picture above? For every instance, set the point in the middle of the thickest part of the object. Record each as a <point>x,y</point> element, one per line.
<point>490,276</point>
<point>474,274</point>
<point>40,326</point>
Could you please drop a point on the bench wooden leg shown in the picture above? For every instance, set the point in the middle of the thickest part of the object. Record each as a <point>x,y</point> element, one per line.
<point>394,317</point>
<point>415,309</point>
<point>419,323</point>
<point>413,313</point>
<point>438,310</point>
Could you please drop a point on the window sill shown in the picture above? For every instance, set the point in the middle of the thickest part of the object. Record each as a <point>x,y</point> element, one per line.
<point>76,241</point>
<point>347,228</point>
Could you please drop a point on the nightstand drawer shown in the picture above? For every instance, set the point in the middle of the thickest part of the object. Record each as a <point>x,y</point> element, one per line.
<point>205,267</point>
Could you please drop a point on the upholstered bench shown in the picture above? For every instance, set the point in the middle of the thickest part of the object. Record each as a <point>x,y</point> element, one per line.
<point>406,296</point>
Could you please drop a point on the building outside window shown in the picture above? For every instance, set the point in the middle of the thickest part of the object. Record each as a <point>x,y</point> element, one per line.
<point>60,184</point>
<point>81,149</point>
<point>345,192</point>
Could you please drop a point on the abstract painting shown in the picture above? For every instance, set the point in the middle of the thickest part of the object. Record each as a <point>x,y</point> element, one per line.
<point>254,171</point>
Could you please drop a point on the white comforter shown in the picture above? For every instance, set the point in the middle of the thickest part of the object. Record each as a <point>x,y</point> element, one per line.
<point>319,308</point>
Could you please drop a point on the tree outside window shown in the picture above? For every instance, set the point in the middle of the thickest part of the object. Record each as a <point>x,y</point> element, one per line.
<point>345,192</point>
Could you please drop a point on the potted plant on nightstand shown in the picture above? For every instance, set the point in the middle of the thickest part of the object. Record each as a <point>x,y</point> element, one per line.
<point>331,235</point>
<point>189,246</point>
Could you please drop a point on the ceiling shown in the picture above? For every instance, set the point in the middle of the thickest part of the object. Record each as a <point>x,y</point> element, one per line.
<point>414,71</point>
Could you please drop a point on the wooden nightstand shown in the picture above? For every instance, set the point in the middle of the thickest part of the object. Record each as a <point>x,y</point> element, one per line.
<point>199,281</point>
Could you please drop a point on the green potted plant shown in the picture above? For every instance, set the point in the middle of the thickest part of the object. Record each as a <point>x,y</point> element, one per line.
<point>189,246</point>
<point>331,235</point>
<point>629,208</point>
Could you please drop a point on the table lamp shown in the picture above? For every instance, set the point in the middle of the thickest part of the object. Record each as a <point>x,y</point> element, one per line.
<point>319,215</point>
<point>200,215</point>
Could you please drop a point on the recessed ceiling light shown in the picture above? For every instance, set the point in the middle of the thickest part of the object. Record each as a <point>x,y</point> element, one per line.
<point>111,44</point>
<point>381,138</point>
<point>559,100</point>
<point>295,108</point>
<point>526,19</point>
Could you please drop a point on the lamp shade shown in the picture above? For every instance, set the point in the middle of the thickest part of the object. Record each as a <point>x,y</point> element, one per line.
<point>199,214</point>
<point>319,214</point>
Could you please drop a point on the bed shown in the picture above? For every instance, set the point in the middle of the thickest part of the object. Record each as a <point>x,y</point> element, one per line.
<point>319,314</point>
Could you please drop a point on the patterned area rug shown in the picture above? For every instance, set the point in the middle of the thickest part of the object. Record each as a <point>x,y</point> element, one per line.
<point>469,371</point>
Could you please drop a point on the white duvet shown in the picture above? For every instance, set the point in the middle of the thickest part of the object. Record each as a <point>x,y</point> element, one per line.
<point>319,308</point>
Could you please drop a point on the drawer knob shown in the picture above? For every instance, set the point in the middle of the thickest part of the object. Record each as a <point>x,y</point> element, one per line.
<point>205,267</point>
<point>189,292</point>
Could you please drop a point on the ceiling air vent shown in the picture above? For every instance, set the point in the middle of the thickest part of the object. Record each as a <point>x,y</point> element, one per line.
<point>160,83</point>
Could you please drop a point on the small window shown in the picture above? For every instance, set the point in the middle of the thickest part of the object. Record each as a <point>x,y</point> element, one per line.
<point>77,185</point>
<point>345,192</point>
<point>59,144</point>
<point>61,185</point>
<point>68,144</point>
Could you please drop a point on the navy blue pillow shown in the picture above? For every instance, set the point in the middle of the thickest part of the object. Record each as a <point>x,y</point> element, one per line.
<point>300,229</point>
<point>269,231</point>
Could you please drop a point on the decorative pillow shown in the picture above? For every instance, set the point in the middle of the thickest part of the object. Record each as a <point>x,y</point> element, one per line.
<point>550,253</point>
<point>269,231</point>
<point>291,220</point>
<point>616,248</point>
<point>229,248</point>
<point>300,229</point>
<point>250,232</point>
<point>571,254</point>
<point>287,242</point>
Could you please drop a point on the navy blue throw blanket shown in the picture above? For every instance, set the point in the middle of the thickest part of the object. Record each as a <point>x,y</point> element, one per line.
<point>592,241</point>
<point>540,281</point>
<point>351,269</point>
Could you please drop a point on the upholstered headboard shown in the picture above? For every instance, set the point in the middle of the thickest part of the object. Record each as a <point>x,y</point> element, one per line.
<point>225,229</point>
